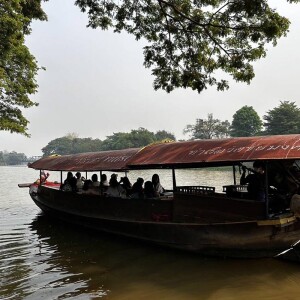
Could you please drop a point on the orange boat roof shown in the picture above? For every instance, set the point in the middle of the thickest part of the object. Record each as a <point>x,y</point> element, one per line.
<point>218,151</point>
<point>91,161</point>
<point>179,154</point>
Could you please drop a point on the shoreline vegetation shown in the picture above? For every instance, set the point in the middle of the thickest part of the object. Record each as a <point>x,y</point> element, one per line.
<point>12,158</point>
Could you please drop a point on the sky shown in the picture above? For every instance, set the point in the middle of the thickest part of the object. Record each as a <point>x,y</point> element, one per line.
<point>95,83</point>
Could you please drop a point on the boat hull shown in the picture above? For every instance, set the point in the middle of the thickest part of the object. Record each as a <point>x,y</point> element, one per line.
<point>151,221</point>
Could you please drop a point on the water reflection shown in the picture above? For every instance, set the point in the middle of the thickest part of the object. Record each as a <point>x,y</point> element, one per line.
<point>71,262</point>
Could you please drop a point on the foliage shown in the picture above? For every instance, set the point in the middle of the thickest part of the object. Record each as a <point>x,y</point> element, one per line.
<point>71,143</point>
<point>134,139</point>
<point>164,135</point>
<point>284,119</point>
<point>246,122</point>
<point>66,145</point>
<point>12,158</point>
<point>208,129</point>
<point>188,41</point>
<point>18,67</point>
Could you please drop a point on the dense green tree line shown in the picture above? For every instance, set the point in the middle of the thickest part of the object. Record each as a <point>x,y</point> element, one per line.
<point>283,119</point>
<point>71,144</point>
<point>12,158</point>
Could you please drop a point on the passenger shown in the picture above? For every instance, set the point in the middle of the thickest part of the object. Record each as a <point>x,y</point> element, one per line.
<point>256,181</point>
<point>69,184</point>
<point>137,189</point>
<point>158,189</point>
<point>126,185</point>
<point>149,190</point>
<point>292,177</point>
<point>115,189</point>
<point>79,181</point>
<point>103,184</point>
<point>43,178</point>
<point>89,188</point>
<point>95,181</point>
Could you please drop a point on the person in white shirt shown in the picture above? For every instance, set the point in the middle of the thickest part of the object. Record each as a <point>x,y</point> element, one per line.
<point>79,181</point>
<point>115,189</point>
<point>158,189</point>
<point>95,181</point>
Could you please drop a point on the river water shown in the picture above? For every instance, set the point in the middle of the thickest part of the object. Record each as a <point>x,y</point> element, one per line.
<point>45,259</point>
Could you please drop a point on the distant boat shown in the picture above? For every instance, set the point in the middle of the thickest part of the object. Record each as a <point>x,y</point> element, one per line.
<point>194,218</point>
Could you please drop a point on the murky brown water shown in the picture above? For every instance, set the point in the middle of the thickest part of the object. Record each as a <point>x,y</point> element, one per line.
<point>44,259</point>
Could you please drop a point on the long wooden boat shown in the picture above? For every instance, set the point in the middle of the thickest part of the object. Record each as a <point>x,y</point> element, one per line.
<point>195,218</point>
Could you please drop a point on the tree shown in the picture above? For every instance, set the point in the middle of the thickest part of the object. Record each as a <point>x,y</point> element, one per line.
<point>208,129</point>
<point>246,122</point>
<point>188,41</point>
<point>284,119</point>
<point>61,146</point>
<point>13,158</point>
<point>135,138</point>
<point>164,135</point>
<point>18,67</point>
<point>71,144</point>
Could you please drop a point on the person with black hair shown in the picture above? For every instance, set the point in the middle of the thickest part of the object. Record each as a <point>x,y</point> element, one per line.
<point>256,183</point>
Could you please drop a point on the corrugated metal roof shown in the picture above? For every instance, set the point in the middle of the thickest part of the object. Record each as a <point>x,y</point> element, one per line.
<point>92,161</point>
<point>179,154</point>
<point>201,152</point>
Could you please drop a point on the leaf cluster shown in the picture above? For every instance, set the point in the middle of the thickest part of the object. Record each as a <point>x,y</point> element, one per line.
<point>246,122</point>
<point>18,67</point>
<point>284,119</point>
<point>188,41</point>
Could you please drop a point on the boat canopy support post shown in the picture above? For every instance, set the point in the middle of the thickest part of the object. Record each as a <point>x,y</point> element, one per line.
<point>40,183</point>
<point>174,179</point>
<point>61,177</point>
<point>234,174</point>
<point>267,190</point>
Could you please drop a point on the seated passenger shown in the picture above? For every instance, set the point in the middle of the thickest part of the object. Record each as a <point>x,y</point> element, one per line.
<point>115,189</point>
<point>95,181</point>
<point>88,188</point>
<point>43,178</point>
<point>256,181</point>
<point>79,181</point>
<point>126,185</point>
<point>137,190</point>
<point>149,190</point>
<point>69,184</point>
<point>103,184</point>
<point>104,181</point>
<point>158,189</point>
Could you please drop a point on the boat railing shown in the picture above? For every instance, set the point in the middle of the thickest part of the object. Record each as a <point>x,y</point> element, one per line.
<point>196,190</point>
<point>234,188</point>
